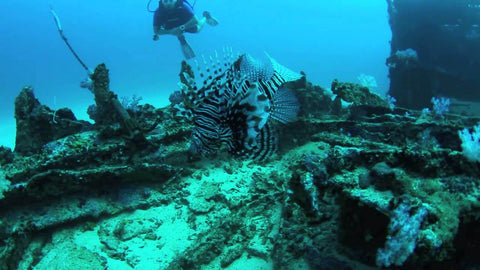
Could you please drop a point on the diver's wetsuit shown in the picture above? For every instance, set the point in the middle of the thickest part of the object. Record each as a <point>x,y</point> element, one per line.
<point>175,17</point>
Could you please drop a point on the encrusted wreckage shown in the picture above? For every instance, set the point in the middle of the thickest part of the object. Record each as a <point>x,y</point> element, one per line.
<point>348,188</point>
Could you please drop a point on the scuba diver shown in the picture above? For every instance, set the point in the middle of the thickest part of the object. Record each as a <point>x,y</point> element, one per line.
<point>176,17</point>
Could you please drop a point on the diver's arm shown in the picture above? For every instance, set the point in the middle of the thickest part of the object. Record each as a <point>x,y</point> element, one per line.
<point>176,31</point>
<point>180,30</point>
<point>159,30</point>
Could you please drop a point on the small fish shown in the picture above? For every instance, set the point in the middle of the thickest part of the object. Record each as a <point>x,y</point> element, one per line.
<point>237,104</point>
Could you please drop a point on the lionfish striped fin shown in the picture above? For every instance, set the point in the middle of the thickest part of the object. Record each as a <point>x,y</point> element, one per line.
<point>211,80</point>
<point>283,72</point>
<point>255,70</point>
<point>279,77</point>
<point>285,106</point>
<point>267,144</point>
<point>214,73</point>
<point>209,131</point>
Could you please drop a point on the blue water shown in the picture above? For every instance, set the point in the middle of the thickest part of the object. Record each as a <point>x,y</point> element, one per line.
<point>326,39</point>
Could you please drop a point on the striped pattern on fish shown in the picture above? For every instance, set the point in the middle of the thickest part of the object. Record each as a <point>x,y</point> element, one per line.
<point>237,104</point>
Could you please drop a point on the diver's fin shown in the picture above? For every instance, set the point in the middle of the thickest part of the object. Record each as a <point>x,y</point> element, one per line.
<point>186,49</point>
<point>210,20</point>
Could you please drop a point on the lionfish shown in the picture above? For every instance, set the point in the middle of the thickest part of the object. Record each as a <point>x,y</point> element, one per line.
<point>237,104</point>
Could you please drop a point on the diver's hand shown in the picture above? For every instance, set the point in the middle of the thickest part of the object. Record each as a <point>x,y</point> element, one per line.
<point>155,37</point>
<point>178,31</point>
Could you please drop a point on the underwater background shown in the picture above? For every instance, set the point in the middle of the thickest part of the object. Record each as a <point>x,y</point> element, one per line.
<point>325,39</point>
<point>281,152</point>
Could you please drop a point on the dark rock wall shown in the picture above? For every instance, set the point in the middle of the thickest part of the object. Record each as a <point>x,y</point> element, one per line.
<point>446,36</point>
